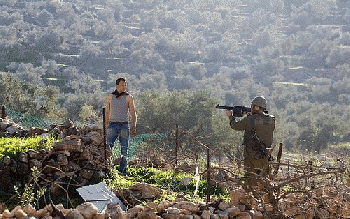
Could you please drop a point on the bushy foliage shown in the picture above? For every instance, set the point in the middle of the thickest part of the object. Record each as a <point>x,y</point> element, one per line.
<point>167,180</point>
<point>12,146</point>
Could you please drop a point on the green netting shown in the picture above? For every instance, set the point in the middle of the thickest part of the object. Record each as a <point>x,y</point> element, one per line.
<point>137,140</point>
<point>25,121</point>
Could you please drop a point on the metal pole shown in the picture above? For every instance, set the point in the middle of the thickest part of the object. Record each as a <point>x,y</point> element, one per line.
<point>176,142</point>
<point>3,112</point>
<point>104,136</point>
<point>208,175</point>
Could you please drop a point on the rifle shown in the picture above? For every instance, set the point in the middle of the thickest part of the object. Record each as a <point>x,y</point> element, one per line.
<point>237,111</point>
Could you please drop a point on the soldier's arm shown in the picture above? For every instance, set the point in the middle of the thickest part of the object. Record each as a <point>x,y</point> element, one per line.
<point>240,125</point>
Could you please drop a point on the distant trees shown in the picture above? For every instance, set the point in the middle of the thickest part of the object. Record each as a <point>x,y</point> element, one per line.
<point>72,52</point>
<point>321,9</point>
<point>193,111</point>
<point>44,18</point>
<point>30,98</point>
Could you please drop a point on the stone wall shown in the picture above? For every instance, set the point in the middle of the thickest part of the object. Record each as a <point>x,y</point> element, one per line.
<point>80,155</point>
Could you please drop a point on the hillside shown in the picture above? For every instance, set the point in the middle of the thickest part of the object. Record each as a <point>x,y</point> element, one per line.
<point>60,58</point>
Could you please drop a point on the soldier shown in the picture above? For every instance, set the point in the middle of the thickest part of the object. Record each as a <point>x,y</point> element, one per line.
<point>255,124</point>
<point>119,105</point>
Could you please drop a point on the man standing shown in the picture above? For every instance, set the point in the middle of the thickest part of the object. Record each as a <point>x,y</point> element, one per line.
<point>119,106</point>
<point>260,125</point>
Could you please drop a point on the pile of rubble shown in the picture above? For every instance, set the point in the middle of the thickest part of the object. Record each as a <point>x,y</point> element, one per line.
<point>180,208</point>
<point>240,206</point>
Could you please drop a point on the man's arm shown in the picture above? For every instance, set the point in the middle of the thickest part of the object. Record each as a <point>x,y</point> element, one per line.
<point>133,114</point>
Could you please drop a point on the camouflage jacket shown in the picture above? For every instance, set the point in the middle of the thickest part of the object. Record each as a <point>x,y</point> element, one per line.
<point>264,126</point>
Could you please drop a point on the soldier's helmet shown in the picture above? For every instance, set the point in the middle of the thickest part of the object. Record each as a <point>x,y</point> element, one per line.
<point>260,101</point>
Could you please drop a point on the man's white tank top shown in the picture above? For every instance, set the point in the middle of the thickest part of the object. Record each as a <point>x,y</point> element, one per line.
<point>119,109</point>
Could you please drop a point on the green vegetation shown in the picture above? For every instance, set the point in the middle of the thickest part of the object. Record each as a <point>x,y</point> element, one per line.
<point>27,189</point>
<point>31,193</point>
<point>12,146</point>
<point>170,181</point>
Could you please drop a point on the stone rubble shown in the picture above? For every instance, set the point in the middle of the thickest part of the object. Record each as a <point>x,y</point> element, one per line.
<point>182,209</point>
<point>79,155</point>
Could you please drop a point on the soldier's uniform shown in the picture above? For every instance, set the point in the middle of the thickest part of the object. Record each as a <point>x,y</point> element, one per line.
<point>261,124</point>
<point>264,126</point>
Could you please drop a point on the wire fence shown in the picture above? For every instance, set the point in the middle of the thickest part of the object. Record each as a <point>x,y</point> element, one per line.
<point>26,121</point>
<point>137,141</point>
<point>185,151</point>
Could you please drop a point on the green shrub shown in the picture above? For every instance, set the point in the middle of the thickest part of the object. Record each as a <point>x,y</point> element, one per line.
<point>167,180</point>
<point>11,146</point>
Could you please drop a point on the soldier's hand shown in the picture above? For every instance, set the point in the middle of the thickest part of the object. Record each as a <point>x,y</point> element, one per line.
<point>228,113</point>
<point>133,131</point>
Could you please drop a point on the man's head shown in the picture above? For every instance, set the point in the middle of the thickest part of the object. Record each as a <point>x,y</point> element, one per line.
<point>120,84</point>
<point>119,80</point>
<point>260,102</point>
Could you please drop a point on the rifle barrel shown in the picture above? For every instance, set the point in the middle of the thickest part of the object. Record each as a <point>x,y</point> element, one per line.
<point>225,107</point>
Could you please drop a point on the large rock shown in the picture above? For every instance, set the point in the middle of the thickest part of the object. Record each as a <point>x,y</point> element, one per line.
<point>62,159</point>
<point>74,214</point>
<point>86,174</point>
<point>5,175</point>
<point>93,137</point>
<point>42,213</point>
<point>5,123</point>
<point>171,213</point>
<point>206,214</point>
<point>15,210</point>
<point>12,130</point>
<point>147,191</point>
<point>135,210</point>
<point>240,197</point>
<point>233,211</point>
<point>165,204</point>
<point>23,157</point>
<point>71,167</point>
<point>51,167</point>
<point>114,211</point>
<point>237,196</point>
<point>147,215</point>
<point>22,168</point>
<point>224,205</point>
<point>88,210</point>
<point>244,215</point>
<point>71,145</point>
<point>6,213</point>
<point>256,214</point>
<point>33,154</point>
<point>191,207</point>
